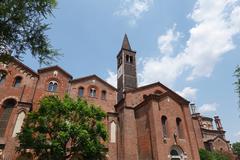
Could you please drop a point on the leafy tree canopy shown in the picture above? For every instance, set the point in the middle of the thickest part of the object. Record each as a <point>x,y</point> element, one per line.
<point>64,129</point>
<point>214,155</point>
<point>22,29</point>
<point>236,148</point>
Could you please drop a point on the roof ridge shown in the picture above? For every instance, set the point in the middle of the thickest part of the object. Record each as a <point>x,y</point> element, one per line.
<point>40,70</point>
<point>90,76</point>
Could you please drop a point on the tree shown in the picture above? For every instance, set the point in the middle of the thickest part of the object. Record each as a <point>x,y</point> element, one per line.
<point>237,82</point>
<point>64,129</point>
<point>204,154</point>
<point>23,27</point>
<point>213,155</point>
<point>236,148</point>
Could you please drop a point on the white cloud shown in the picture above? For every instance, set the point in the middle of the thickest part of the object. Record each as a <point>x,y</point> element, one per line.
<point>112,78</point>
<point>208,108</point>
<point>217,23</point>
<point>165,70</point>
<point>133,9</point>
<point>238,135</point>
<point>165,42</point>
<point>189,93</point>
<point>212,36</point>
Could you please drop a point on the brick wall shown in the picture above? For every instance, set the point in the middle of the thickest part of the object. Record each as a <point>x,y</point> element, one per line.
<point>107,104</point>
<point>23,94</point>
<point>42,85</point>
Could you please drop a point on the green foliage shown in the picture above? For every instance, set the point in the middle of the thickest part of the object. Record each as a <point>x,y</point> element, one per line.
<point>63,129</point>
<point>23,27</point>
<point>214,155</point>
<point>237,82</point>
<point>236,148</point>
<point>25,156</point>
<point>204,154</point>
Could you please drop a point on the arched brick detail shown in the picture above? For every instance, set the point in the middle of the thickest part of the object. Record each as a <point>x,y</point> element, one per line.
<point>49,79</point>
<point>180,152</point>
<point>9,97</point>
<point>4,70</point>
<point>19,110</point>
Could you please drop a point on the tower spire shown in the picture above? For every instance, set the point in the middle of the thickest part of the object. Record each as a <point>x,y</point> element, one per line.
<point>127,76</point>
<point>126,44</point>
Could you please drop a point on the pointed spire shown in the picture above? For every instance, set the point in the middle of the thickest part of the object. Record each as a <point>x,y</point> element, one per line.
<point>125,43</point>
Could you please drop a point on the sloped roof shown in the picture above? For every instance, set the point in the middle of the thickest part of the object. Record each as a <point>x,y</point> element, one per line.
<point>212,130</point>
<point>178,99</point>
<point>169,91</point>
<point>14,60</point>
<point>125,46</point>
<point>206,118</point>
<point>91,77</point>
<point>56,67</point>
<point>217,138</point>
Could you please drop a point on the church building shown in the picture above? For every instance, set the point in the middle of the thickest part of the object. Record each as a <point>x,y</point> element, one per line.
<point>150,122</point>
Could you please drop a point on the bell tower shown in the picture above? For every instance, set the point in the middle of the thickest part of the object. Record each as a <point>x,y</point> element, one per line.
<point>126,68</point>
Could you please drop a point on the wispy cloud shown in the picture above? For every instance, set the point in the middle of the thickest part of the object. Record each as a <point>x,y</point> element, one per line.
<point>212,36</point>
<point>208,108</point>
<point>189,93</point>
<point>165,70</point>
<point>216,24</point>
<point>133,9</point>
<point>165,42</point>
<point>238,135</point>
<point>112,78</point>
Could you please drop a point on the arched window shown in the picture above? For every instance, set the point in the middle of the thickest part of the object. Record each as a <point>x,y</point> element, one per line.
<point>92,92</point>
<point>113,130</point>
<point>104,95</point>
<point>52,86</point>
<point>19,123</point>
<point>3,75</point>
<point>129,59</point>
<point>81,91</point>
<point>179,128</point>
<point>7,108</point>
<point>164,126</point>
<point>17,81</point>
<point>176,153</point>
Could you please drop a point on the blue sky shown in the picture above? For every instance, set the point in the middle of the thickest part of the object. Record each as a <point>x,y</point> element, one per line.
<point>190,46</point>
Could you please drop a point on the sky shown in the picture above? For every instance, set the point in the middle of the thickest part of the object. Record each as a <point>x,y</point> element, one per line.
<point>190,46</point>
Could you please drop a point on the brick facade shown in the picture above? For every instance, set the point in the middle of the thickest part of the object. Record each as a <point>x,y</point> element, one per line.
<point>212,138</point>
<point>134,114</point>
